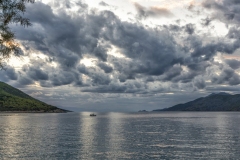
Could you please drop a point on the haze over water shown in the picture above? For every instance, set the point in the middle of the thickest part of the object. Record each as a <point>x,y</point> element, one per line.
<point>167,135</point>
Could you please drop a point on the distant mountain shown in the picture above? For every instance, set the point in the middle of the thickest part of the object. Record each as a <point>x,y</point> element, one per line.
<point>214,102</point>
<point>12,99</point>
<point>220,93</point>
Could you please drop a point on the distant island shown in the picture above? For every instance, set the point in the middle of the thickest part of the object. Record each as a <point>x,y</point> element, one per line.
<point>214,102</point>
<point>142,111</point>
<point>14,100</point>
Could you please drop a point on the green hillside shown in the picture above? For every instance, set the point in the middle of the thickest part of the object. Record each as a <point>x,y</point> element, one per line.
<point>12,99</point>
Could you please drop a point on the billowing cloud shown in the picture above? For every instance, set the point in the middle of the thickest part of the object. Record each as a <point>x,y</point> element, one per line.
<point>224,10</point>
<point>102,3</point>
<point>147,52</point>
<point>234,64</point>
<point>144,12</point>
<point>8,74</point>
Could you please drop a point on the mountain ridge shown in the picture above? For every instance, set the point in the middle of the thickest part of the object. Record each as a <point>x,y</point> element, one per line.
<point>214,102</point>
<point>14,100</point>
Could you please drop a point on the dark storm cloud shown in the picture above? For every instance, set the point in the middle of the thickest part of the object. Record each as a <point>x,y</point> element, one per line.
<point>179,75</point>
<point>190,28</point>
<point>144,12</point>
<point>199,82</point>
<point>25,81</point>
<point>234,33</point>
<point>225,10</point>
<point>203,52</point>
<point>48,76</point>
<point>149,54</point>
<point>112,88</point>
<point>206,21</point>
<point>37,74</point>
<point>8,73</point>
<point>228,75</point>
<point>234,64</point>
<point>172,27</point>
<point>68,40</point>
<point>198,67</point>
<point>105,67</point>
<point>116,87</point>
<point>3,77</point>
<point>11,73</point>
<point>61,34</point>
<point>172,73</point>
<point>98,76</point>
<point>62,79</point>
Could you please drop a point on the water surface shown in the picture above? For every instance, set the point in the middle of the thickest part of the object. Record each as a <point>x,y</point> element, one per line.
<point>167,135</point>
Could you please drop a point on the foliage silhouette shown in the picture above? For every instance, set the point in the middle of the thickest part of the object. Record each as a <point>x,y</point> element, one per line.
<point>11,11</point>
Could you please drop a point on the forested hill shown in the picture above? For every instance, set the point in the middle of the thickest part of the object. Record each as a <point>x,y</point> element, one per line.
<point>12,99</point>
<point>214,102</point>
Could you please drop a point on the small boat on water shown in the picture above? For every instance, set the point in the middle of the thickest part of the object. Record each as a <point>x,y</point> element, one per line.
<point>92,115</point>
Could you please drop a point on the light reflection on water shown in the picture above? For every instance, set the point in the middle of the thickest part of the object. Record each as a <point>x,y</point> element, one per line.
<point>168,135</point>
<point>88,135</point>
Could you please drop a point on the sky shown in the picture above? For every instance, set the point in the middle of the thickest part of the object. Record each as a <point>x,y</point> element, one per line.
<point>126,55</point>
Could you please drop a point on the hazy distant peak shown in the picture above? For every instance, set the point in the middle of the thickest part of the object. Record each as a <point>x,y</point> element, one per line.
<point>220,93</point>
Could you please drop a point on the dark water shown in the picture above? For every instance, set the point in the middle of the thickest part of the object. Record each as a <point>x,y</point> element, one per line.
<point>120,136</point>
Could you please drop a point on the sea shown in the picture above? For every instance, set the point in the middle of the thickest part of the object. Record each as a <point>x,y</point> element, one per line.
<point>113,136</point>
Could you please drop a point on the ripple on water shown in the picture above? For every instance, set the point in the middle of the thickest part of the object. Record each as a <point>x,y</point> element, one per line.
<point>120,136</point>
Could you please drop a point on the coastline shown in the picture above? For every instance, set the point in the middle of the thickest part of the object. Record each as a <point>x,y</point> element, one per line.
<point>53,111</point>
